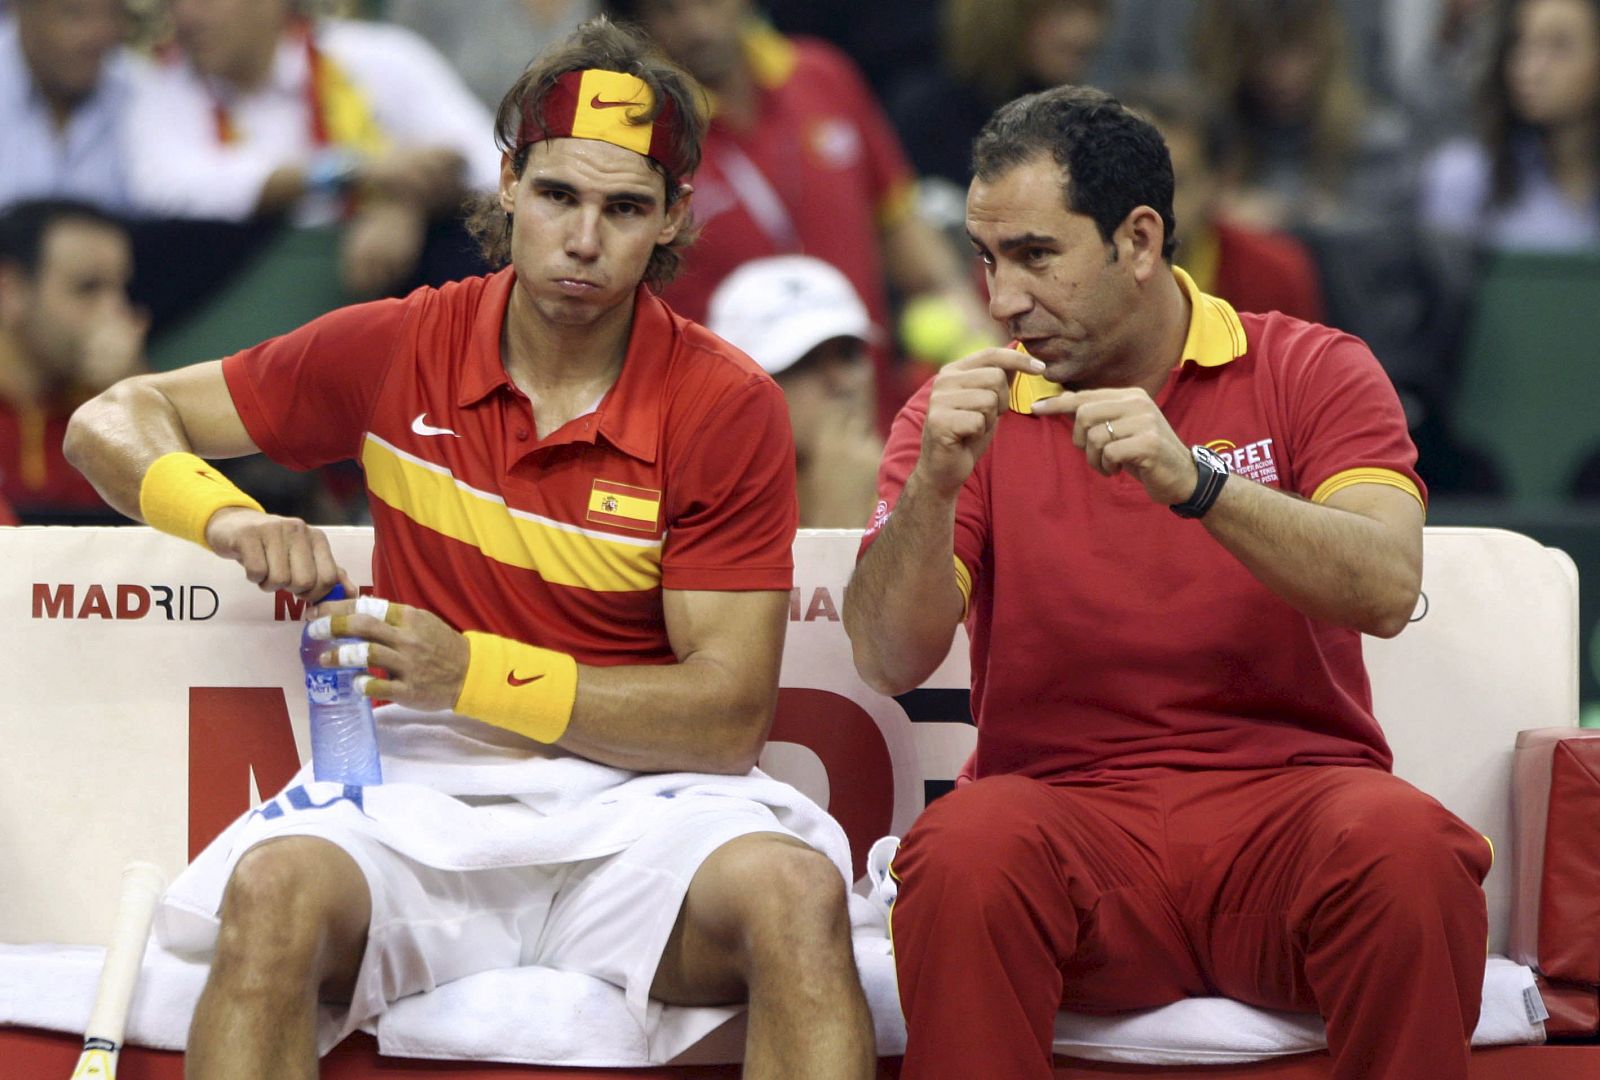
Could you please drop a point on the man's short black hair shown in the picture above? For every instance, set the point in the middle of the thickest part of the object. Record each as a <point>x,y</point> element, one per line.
<point>24,225</point>
<point>1113,160</point>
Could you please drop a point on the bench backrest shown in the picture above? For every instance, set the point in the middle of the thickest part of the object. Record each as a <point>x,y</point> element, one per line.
<point>151,694</point>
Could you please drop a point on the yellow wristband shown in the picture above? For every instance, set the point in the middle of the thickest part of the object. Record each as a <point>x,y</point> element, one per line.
<point>180,492</point>
<point>521,688</point>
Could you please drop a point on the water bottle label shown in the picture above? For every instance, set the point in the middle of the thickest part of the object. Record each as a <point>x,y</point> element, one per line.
<point>322,686</point>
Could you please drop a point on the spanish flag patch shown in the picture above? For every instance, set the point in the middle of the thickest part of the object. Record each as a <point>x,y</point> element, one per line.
<point>630,507</point>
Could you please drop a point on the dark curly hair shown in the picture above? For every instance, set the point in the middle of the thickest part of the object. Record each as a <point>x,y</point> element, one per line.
<point>1113,159</point>
<point>604,45</point>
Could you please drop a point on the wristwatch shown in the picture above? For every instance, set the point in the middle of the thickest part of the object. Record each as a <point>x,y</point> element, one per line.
<point>1213,469</point>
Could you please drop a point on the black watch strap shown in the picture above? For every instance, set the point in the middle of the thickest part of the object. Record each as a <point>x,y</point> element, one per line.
<point>1213,470</point>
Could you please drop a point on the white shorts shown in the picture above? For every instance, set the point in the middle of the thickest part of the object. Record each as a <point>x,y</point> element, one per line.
<point>607,917</point>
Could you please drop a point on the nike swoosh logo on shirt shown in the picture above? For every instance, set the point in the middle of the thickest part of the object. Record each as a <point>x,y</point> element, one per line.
<point>596,103</point>
<point>512,680</point>
<point>421,427</point>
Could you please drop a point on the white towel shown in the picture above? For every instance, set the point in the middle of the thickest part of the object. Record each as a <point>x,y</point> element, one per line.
<point>526,1015</point>
<point>52,987</point>
<point>1215,1031</point>
<point>581,810</point>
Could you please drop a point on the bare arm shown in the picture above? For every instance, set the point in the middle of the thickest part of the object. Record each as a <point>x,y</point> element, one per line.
<point>113,438</point>
<point>902,605</point>
<point>1354,561</point>
<point>708,712</point>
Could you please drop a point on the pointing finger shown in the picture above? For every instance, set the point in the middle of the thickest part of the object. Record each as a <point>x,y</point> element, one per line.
<point>1004,359</point>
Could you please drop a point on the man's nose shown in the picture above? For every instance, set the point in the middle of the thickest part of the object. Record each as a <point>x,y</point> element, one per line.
<point>583,235</point>
<point>1008,297</point>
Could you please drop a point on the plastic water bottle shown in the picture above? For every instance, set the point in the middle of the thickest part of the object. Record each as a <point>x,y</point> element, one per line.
<point>344,739</point>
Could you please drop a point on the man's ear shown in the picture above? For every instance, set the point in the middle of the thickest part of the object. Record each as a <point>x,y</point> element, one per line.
<point>677,217</point>
<point>1139,239</point>
<point>508,183</point>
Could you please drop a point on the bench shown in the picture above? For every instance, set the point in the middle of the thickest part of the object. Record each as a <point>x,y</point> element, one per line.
<point>153,695</point>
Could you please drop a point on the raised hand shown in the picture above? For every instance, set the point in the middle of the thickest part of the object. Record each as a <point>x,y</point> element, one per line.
<point>969,395</point>
<point>1122,429</point>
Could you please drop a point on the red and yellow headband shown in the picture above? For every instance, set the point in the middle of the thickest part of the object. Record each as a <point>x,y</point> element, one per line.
<point>606,105</point>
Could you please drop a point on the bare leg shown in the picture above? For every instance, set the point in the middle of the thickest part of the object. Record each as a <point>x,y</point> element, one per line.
<point>294,928</point>
<point>765,920</point>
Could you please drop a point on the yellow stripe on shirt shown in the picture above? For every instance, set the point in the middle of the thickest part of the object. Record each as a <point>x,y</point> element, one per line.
<point>561,553</point>
<point>1351,477</point>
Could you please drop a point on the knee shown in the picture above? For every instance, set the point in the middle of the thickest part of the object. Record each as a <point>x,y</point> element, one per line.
<point>794,900</point>
<point>1415,846</point>
<point>283,899</point>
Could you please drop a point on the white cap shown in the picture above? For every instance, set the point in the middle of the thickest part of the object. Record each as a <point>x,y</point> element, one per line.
<point>780,308</point>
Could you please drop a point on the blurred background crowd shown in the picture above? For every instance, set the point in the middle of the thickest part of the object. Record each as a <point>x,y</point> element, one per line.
<point>181,178</point>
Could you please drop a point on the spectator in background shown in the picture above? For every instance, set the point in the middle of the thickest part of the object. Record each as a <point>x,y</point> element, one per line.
<point>801,321</point>
<point>799,159</point>
<point>1312,153</point>
<point>67,332</point>
<point>1253,269</point>
<point>885,38</point>
<point>1317,160</point>
<point>489,42</point>
<point>1436,52</point>
<point>64,86</point>
<point>1154,39</point>
<point>258,110</point>
<point>993,51</point>
<point>1533,182</point>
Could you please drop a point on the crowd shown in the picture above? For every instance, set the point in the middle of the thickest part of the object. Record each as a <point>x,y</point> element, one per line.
<point>1353,162</point>
<point>725,291</point>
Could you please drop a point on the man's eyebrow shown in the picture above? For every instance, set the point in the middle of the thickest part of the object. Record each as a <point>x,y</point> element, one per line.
<point>643,198</point>
<point>1026,240</point>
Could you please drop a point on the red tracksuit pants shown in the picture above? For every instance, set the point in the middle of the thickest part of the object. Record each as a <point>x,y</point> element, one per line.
<point>1328,889</point>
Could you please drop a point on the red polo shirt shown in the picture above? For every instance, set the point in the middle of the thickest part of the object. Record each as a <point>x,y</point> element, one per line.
<point>681,478</point>
<point>1109,635</point>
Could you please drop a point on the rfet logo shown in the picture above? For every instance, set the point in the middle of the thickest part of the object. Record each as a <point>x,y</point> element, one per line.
<point>1252,460</point>
<point>122,601</point>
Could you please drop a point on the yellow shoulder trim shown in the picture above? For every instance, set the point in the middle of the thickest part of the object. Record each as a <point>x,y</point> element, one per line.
<point>771,56</point>
<point>1351,477</point>
<point>964,583</point>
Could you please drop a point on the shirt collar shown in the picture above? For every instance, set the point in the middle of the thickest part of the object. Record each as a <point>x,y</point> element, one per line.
<point>629,415</point>
<point>770,56</point>
<point>1215,337</point>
